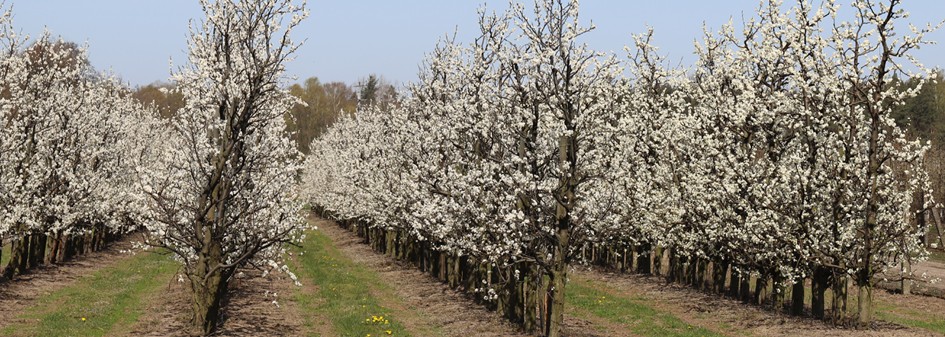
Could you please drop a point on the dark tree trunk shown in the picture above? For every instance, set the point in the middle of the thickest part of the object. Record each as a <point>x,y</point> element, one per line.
<point>209,285</point>
<point>19,257</point>
<point>734,281</point>
<point>797,298</point>
<point>744,288</point>
<point>761,286</point>
<point>819,284</point>
<point>718,270</point>
<point>37,250</point>
<point>643,259</point>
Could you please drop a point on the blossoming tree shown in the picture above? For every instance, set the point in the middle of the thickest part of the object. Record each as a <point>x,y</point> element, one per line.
<point>222,196</point>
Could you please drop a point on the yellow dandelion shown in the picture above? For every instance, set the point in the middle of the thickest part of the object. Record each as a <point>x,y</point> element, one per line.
<point>389,332</point>
<point>83,319</point>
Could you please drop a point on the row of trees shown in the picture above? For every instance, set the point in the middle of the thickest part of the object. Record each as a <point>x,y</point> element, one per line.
<point>70,143</point>
<point>207,169</point>
<point>775,155</point>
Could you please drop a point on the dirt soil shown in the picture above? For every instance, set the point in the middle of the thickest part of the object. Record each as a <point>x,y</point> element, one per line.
<point>734,318</point>
<point>20,293</point>
<point>166,313</point>
<point>257,306</point>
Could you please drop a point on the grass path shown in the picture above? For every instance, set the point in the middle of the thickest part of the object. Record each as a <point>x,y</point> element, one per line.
<point>100,304</point>
<point>598,301</point>
<point>911,310</point>
<point>354,298</point>
<point>363,292</point>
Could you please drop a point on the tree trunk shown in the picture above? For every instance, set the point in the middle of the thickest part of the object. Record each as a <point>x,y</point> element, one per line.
<point>37,250</point>
<point>719,269</point>
<point>864,300</point>
<point>643,259</point>
<point>51,242</point>
<point>744,289</point>
<point>692,272</point>
<point>17,263</point>
<point>657,258</point>
<point>10,268</point>
<point>672,265</point>
<point>797,298</point>
<point>818,289</point>
<point>761,286</point>
<point>567,153</point>
<point>529,319</point>
<point>703,275</point>
<point>557,283</point>
<point>906,276</point>
<point>209,286</point>
<point>937,218</point>
<point>733,283</point>
<point>839,304</point>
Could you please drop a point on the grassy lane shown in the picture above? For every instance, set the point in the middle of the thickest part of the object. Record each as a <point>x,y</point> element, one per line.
<point>100,304</point>
<point>910,317</point>
<point>936,256</point>
<point>595,300</point>
<point>354,298</point>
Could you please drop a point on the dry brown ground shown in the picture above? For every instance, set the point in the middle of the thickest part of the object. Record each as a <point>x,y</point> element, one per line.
<point>734,318</point>
<point>20,293</point>
<point>250,310</point>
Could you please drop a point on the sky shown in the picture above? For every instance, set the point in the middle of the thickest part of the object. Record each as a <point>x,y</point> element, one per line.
<point>346,40</point>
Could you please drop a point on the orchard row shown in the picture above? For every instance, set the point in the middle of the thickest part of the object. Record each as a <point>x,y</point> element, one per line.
<point>82,162</point>
<point>773,156</point>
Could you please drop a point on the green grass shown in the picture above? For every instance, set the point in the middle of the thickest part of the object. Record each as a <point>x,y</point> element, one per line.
<point>109,300</point>
<point>909,317</point>
<point>937,255</point>
<point>347,292</point>
<point>633,313</point>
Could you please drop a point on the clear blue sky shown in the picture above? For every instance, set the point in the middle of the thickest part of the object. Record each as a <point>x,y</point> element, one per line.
<point>349,39</point>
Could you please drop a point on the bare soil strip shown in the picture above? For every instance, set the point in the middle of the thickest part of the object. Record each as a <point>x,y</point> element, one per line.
<point>737,319</point>
<point>257,306</point>
<point>166,313</point>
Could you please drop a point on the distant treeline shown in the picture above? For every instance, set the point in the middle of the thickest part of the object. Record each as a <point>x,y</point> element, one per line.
<point>923,116</point>
<point>323,103</point>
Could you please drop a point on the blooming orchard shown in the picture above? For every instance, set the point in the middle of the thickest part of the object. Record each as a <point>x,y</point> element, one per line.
<point>68,151</point>
<point>773,156</point>
<point>81,161</point>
